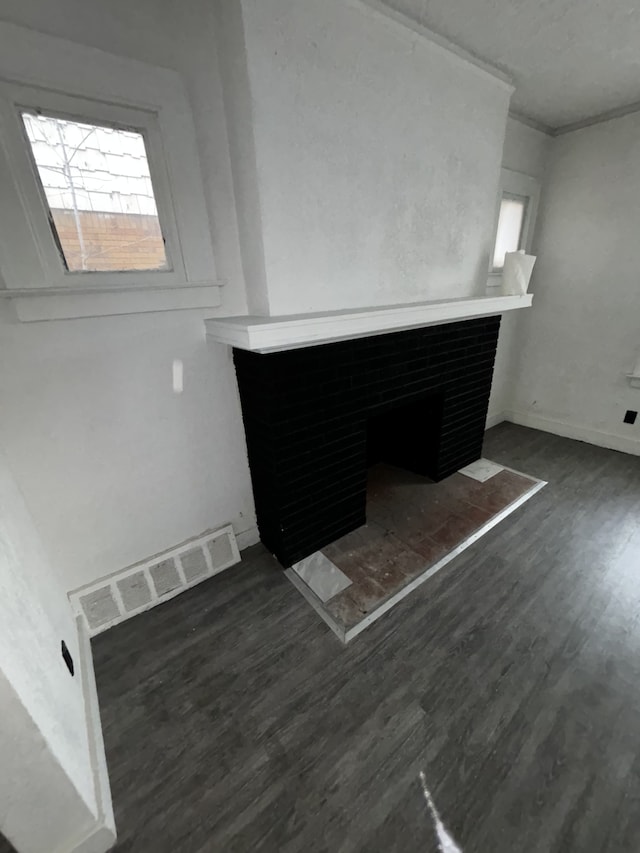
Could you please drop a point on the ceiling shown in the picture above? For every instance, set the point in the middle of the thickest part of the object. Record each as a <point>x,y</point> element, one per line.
<point>570,60</point>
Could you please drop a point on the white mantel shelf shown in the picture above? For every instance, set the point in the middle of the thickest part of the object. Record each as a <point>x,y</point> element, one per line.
<point>271,334</point>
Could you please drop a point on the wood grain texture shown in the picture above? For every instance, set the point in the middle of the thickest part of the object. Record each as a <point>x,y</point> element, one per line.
<point>236,721</point>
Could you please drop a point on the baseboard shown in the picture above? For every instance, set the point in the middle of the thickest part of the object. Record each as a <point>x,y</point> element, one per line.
<point>100,840</point>
<point>576,431</point>
<point>102,836</point>
<point>494,418</point>
<point>247,538</point>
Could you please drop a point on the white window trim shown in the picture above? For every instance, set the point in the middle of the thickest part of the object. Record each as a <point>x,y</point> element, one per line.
<point>63,78</point>
<point>12,98</point>
<point>518,184</point>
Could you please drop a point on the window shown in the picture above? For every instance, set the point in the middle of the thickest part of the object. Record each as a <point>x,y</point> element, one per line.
<point>510,223</point>
<point>102,209</point>
<point>515,219</point>
<point>97,185</point>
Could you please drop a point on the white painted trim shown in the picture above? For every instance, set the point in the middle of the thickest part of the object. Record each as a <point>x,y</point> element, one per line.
<point>144,566</point>
<point>68,303</point>
<point>600,118</point>
<point>494,418</point>
<point>38,70</point>
<point>51,272</point>
<point>346,636</point>
<point>270,334</point>
<point>580,124</point>
<point>533,123</point>
<point>576,431</point>
<point>103,836</point>
<point>520,184</point>
<point>384,12</point>
<point>113,288</point>
<point>247,538</point>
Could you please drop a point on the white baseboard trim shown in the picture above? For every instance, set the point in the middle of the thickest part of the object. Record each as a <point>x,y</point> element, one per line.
<point>575,431</point>
<point>100,840</point>
<point>494,418</point>
<point>102,836</point>
<point>247,538</point>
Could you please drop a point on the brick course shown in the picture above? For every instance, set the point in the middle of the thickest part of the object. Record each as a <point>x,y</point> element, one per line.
<point>309,412</point>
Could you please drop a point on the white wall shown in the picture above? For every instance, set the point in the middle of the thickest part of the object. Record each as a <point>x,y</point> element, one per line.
<point>525,150</point>
<point>113,465</point>
<point>582,334</point>
<point>239,123</point>
<point>178,34</point>
<point>377,156</point>
<point>47,796</point>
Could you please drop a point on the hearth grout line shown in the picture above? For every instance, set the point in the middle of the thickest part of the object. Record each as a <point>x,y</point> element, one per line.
<point>345,636</point>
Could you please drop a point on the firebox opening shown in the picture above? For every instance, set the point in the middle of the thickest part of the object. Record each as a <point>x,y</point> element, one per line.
<point>407,436</point>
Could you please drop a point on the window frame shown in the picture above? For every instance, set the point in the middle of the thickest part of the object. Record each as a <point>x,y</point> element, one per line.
<point>41,73</point>
<point>29,99</point>
<point>521,186</point>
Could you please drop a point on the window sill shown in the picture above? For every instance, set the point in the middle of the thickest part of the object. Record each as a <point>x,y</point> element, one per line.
<point>62,303</point>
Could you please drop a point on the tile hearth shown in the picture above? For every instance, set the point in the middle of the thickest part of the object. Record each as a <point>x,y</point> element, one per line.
<point>414,527</point>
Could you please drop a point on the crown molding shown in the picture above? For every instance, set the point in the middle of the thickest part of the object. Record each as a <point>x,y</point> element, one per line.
<point>571,127</point>
<point>600,118</point>
<point>381,10</point>
<point>533,123</point>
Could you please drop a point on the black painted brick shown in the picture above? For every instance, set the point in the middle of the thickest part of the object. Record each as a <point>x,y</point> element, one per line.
<point>305,413</point>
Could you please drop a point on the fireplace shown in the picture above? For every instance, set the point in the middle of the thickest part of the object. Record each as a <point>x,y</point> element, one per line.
<point>315,417</point>
<point>406,435</point>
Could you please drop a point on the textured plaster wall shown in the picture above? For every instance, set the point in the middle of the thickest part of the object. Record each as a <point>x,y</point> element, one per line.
<point>114,466</point>
<point>582,335</point>
<point>376,156</point>
<point>525,150</point>
<point>46,785</point>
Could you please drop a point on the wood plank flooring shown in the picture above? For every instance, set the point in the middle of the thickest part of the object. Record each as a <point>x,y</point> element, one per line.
<point>235,720</point>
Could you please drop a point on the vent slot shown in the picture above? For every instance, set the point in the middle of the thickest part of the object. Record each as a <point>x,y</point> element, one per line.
<point>137,588</point>
<point>194,564</point>
<point>135,591</point>
<point>99,607</point>
<point>165,577</point>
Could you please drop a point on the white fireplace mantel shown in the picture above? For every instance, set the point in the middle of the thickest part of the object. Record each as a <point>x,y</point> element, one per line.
<point>271,334</point>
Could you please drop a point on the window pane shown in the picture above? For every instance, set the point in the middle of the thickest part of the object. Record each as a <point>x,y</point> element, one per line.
<point>97,183</point>
<point>510,222</point>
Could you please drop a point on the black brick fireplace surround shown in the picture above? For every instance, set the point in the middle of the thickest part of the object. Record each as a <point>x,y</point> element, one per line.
<point>314,417</point>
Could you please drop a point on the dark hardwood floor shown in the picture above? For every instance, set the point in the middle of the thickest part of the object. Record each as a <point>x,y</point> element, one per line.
<point>235,720</point>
